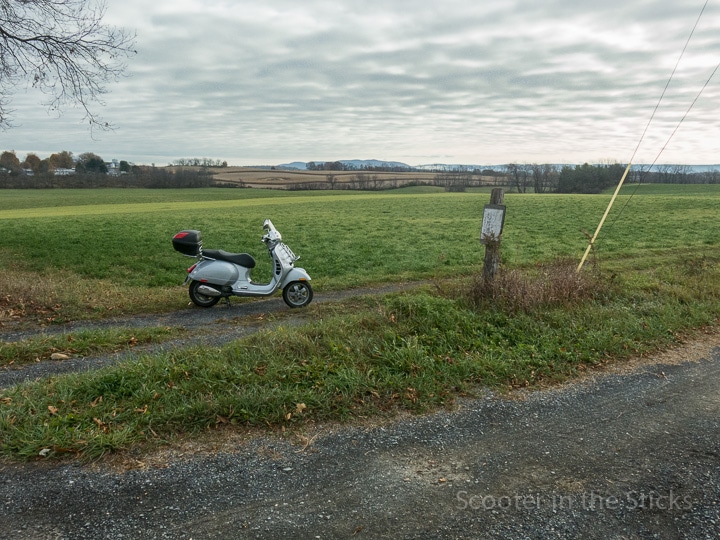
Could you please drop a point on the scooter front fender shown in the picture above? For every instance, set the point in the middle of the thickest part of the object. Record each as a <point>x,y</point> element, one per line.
<point>296,274</point>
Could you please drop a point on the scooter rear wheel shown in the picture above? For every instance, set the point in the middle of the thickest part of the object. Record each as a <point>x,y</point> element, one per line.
<point>297,294</point>
<point>200,299</point>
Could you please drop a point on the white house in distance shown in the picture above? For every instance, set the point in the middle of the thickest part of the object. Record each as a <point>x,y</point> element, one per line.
<point>113,167</point>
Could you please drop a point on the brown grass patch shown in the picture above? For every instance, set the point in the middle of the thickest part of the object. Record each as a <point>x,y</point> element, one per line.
<point>46,298</point>
<point>548,284</point>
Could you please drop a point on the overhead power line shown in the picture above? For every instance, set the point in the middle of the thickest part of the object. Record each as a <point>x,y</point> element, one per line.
<point>642,137</point>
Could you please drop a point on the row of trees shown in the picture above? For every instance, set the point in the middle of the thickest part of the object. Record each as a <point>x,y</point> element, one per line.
<point>458,180</point>
<point>340,166</point>
<point>525,178</point>
<point>199,162</point>
<point>90,171</point>
<point>361,181</point>
<point>86,162</point>
<point>328,166</point>
<point>366,180</point>
<point>588,178</point>
<point>536,178</point>
<point>194,172</point>
<point>139,177</point>
<point>677,174</point>
<point>540,178</point>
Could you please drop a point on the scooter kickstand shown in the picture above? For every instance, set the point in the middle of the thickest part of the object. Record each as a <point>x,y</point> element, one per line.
<point>227,301</point>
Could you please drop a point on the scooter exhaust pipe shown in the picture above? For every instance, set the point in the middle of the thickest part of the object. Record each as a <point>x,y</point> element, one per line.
<point>208,291</point>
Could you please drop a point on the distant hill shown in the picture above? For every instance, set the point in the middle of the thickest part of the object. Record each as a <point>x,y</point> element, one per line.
<point>301,165</point>
<point>364,163</point>
<point>354,163</point>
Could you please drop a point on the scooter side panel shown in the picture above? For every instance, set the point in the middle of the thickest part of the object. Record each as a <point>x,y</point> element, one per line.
<point>216,272</point>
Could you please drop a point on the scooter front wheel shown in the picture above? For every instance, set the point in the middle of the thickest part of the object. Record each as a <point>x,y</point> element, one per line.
<point>297,294</point>
<point>199,299</point>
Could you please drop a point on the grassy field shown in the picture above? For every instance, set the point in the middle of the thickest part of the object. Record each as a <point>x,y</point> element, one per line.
<point>120,239</point>
<point>283,179</point>
<point>655,279</point>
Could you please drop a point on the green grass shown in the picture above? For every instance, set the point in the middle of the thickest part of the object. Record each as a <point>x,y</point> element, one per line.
<point>15,199</point>
<point>659,279</point>
<point>344,239</point>
<point>371,356</point>
<point>674,190</point>
<point>82,343</point>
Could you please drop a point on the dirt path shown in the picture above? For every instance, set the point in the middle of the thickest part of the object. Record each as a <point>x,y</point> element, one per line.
<point>214,326</point>
<point>625,455</point>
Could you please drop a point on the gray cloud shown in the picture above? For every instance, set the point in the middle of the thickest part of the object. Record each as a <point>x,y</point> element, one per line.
<point>419,81</point>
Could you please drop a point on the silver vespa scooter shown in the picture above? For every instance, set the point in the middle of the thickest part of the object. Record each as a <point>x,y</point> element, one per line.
<point>220,274</point>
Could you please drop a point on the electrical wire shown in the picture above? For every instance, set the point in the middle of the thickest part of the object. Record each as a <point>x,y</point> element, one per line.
<point>667,85</point>
<point>652,116</point>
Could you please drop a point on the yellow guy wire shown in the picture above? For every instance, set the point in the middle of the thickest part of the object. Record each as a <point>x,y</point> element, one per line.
<point>602,221</point>
<point>617,190</point>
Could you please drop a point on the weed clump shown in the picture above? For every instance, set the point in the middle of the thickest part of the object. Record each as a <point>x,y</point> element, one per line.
<point>556,284</point>
<point>25,297</point>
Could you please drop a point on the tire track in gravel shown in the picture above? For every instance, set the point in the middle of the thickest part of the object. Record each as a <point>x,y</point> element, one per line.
<point>213,327</point>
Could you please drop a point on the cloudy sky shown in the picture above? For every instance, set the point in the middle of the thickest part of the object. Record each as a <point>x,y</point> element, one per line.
<point>419,81</point>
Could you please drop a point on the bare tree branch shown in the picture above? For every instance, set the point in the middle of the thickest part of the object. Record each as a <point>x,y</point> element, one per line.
<point>62,48</point>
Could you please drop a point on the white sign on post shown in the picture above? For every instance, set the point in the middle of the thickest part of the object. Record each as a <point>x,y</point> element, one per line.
<point>492,225</point>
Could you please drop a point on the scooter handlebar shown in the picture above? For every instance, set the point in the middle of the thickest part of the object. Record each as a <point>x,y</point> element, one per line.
<point>272,233</point>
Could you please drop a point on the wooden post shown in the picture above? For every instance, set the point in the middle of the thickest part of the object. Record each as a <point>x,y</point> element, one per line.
<point>492,238</point>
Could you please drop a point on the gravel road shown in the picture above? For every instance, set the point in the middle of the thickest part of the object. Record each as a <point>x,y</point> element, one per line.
<point>631,454</point>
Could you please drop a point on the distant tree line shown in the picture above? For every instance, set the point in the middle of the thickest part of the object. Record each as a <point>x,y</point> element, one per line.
<point>548,178</point>
<point>199,162</point>
<point>589,178</point>
<point>535,177</point>
<point>140,177</point>
<point>360,181</point>
<point>675,174</point>
<point>340,166</point>
<point>459,179</point>
<point>88,170</point>
<point>153,177</point>
<point>596,178</point>
<point>329,166</point>
<point>586,178</point>
<point>62,169</point>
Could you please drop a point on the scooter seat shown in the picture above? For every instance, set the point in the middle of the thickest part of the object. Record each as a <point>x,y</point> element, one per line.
<point>243,259</point>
